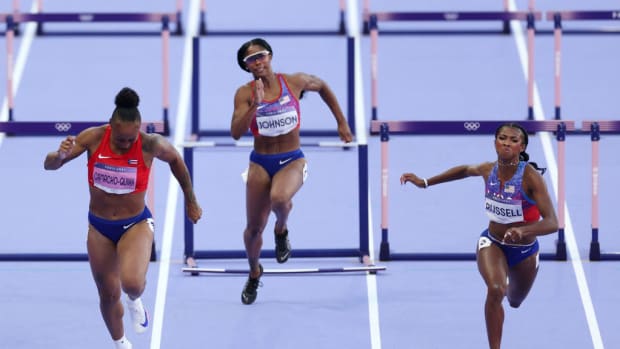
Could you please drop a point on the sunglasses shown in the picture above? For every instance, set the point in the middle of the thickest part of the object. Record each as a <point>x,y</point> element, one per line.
<point>256,56</point>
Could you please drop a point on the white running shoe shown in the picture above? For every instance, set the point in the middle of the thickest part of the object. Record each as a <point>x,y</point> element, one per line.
<point>139,315</point>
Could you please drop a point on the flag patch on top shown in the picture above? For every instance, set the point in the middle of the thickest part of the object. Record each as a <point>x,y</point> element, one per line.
<point>132,162</point>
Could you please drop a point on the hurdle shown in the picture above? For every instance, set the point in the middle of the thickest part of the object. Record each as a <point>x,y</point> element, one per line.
<point>595,129</point>
<point>91,17</point>
<point>205,31</point>
<point>505,29</point>
<point>199,132</point>
<point>529,16</point>
<point>557,17</point>
<point>361,251</point>
<point>57,127</point>
<point>387,128</point>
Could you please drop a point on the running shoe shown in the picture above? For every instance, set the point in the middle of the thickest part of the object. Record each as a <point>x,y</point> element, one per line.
<point>139,315</point>
<point>248,296</point>
<point>283,247</point>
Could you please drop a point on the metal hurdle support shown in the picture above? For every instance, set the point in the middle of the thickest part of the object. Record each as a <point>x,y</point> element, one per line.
<point>557,17</point>
<point>53,128</point>
<point>362,251</point>
<point>386,128</point>
<point>204,30</point>
<point>375,18</point>
<point>596,128</point>
<point>195,124</point>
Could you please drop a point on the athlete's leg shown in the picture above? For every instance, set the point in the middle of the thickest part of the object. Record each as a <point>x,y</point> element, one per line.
<point>494,270</point>
<point>106,273</point>
<point>284,185</point>
<point>522,278</point>
<point>257,212</point>
<point>134,251</point>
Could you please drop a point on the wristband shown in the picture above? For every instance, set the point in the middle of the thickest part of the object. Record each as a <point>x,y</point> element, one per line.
<point>425,183</point>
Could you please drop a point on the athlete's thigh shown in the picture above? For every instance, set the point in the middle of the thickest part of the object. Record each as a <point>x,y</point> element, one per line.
<point>103,260</point>
<point>492,264</point>
<point>257,195</point>
<point>522,276</point>
<point>134,248</point>
<point>288,180</point>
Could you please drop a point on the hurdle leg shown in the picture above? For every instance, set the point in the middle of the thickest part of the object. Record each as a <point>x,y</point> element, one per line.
<point>595,247</point>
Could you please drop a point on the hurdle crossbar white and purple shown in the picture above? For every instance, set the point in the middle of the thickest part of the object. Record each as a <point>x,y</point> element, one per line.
<point>366,269</point>
<point>595,129</point>
<point>386,128</point>
<point>452,16</point>
<point>42,17</point>
<point>361,251</point>
<point>52,128</point>
<point>557,17</point>
<point>204,29</point>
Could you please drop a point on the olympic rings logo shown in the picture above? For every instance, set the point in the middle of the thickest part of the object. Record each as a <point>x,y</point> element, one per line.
<point>62,126</point>
<point>471,126</point>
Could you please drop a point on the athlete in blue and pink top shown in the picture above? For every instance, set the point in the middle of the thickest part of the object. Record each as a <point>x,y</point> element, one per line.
<point>120,230</point>
<point>269,106</point>
<point>519,209</point>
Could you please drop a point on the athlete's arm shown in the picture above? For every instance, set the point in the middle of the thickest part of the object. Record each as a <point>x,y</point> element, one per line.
<point>452,174</point>
<point>245,107</point>
<point>307,82</point>
<point>164,151</point>
<point>70,148</point>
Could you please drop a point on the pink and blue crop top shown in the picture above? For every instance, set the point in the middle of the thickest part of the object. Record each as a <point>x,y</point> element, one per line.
<point>279,116</point>
<point>509,204</point>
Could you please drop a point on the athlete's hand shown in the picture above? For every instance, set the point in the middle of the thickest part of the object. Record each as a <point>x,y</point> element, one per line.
<point>513,235</point>
<point>66,146</point>
<point>194,211</point>
<point>413,179</point>
<point>345,133</point>
<point>259,91</point>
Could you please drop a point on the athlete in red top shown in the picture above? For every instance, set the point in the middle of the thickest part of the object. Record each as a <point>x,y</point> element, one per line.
<point>120,231</point>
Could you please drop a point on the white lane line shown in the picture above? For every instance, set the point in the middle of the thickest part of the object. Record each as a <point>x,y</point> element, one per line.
<point>173,187</point>
<point>353,21</point>
<point>571,242</point>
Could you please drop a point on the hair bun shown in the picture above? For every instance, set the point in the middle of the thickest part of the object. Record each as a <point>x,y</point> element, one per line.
<point>127,98</point>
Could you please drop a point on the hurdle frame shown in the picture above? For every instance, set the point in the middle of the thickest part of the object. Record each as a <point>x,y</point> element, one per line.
<point>557,17</point>
<point>595,129</point>
<point>386,128</point>
<point>504,30</point>
<point>54,128</point>
<point>205,31</point>
<point>529,16</point>
<point>175,17</point>
<point>362,251</point>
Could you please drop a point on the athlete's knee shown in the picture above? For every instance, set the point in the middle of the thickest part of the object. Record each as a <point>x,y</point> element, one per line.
<point>133,286</point>
<point>515,300</point>
<point>281,203</point>
<point>108,297</point>
<point>515,303</point>
<point>496,292</point>
<point>253,230</point>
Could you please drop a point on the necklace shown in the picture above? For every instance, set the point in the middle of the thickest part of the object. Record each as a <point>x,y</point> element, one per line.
<point>511,163</point>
